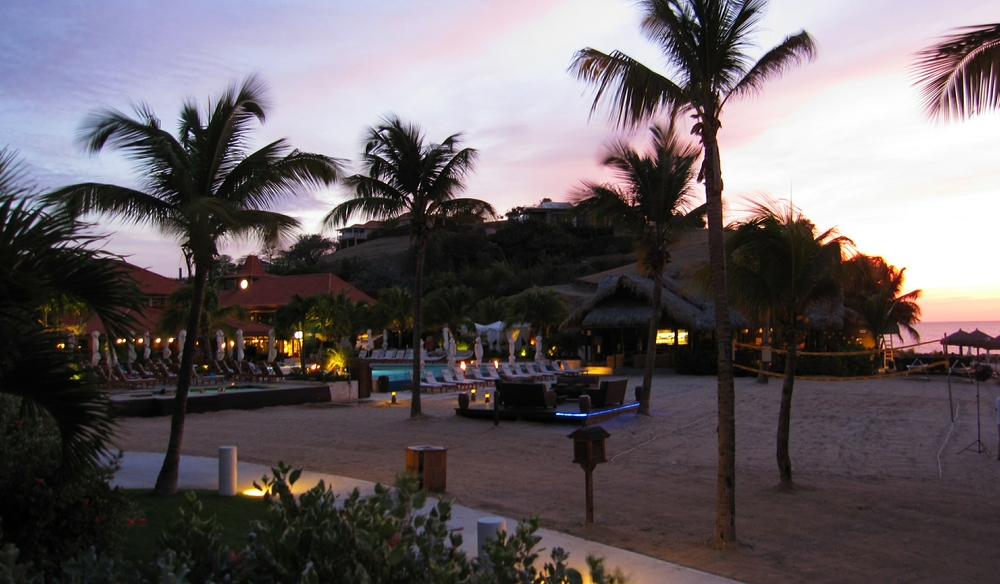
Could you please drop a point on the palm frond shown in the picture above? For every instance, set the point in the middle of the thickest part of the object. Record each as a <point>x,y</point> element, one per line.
<point>793,51</point>
<point>634,92</point>
<point>960,76</point>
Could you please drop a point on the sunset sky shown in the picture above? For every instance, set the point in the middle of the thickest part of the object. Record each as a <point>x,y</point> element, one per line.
<point>843,136</point>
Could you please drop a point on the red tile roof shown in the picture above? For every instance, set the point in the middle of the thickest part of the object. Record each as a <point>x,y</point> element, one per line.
<point>251,268</point>
<point>274,291</point>
<point>151,283</point>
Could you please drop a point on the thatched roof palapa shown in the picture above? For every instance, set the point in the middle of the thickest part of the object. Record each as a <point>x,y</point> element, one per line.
<point>603,310</point>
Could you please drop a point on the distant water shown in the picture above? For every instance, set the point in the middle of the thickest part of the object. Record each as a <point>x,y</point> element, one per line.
<point>932,331</point>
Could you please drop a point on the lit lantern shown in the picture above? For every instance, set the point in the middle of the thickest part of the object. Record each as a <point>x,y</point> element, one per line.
<point>394,397</point>
<point>462,365</point>
<point>487,397</point>
<point>496,363</point>
<point>473,392</point>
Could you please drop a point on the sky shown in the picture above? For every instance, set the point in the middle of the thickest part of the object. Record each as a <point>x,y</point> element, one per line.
<point>843,137</point>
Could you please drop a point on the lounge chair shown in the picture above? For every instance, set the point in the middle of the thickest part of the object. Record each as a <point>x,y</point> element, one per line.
<point>529,369</point>
<point>363,354</point>
<point>266,373</point>
<point>508,374</point>
<point>566,369</point>
<point>491,378</point>
<point>426,384</point>
<point>512,395</point>
<point>389,354</point>
<point>460,376</point>
<point>377,354</point>
<point>463,383</point>
<point>429,377</point>
<point>279,375</point>
<point>223,369</point>
<point>611,392</point>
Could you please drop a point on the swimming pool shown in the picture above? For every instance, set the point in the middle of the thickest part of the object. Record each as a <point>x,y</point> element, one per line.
<point>399,374</point>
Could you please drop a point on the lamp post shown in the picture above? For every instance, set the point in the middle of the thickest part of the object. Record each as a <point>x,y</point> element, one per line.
<point>588,451</point>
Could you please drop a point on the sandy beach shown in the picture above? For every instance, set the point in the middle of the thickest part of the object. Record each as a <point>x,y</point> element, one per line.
<point>882,493</point>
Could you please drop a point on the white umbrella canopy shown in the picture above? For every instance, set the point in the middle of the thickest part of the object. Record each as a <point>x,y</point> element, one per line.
<point>95,348</point>
<point>181,340</point>
<point>539,353</point>
<point>478,352</point>
<point>239,344</point>
<point>146,349</point>
<point>272,351</point>
<point>220,345</point>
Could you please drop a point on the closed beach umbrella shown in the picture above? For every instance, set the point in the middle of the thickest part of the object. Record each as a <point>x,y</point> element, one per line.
<point>272,351</point>
<point>239,344</point>
<point>166,350</point>
<point>539,354</point>
<point>146,349</point>
<point>452,353</point>
<point>95,348</point>
<point>478,351</point>
<point>510,346</point>
<point>181,341</point>
<point>71,341</point>
<point>220,345</point>
<point>385,339</point>
<point>110,355</point>
<point>445,336</point>
<point>423,357</point>
<point>370,343</point>
<point>130,357</point>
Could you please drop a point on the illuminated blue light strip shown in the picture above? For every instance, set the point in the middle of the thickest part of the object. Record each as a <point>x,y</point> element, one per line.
<point>583,415</point>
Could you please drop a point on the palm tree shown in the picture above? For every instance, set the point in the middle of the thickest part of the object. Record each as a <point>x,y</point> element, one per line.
<point>176,315</point>
<point>543,308</point>
<point>49,260</point>
<point>394,308</point>
<point>706,43</point>
<point>960,76</point>
<point>780,266</point>
<point>451,306</point>
<point>875,292</point>
<point>335,317</point>
<point>406,176</point>
<point>652,204</point>
<point>294,317</point>
<point>204,186</point>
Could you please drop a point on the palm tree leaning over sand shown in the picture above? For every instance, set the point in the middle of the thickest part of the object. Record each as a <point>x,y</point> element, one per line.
<point>404,175</point>
<point>706,43</point>
<point>203,187</point>
<point>960,76</point>
<point>653,204</point>
<point>780,266</point>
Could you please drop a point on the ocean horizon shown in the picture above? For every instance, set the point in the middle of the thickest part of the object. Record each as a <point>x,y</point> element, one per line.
<point>935,331</point>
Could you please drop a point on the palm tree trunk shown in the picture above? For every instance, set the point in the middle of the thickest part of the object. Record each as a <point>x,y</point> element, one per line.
<point>166,481</point>
<point>785,416</point>
<point>418,283</point>
<point>654,321</point>
<point>725,494</point>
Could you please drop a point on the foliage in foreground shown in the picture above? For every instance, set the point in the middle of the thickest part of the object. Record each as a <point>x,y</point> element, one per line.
<point>315,538</point>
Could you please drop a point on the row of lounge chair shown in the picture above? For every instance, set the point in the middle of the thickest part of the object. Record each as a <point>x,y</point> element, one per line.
<point>147,375</point>
<point>387,355</point>
<point>455,379</point>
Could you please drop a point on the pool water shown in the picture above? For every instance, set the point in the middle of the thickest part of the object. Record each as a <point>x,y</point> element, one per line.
<point>399,374</point>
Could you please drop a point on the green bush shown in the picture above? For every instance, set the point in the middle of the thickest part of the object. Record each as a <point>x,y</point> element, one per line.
<point>47,514</point>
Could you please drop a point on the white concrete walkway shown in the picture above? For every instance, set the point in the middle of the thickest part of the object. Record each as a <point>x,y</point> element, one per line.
<point>139,470</point>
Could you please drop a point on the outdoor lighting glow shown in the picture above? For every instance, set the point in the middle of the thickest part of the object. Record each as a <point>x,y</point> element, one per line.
<point>473,391</point>
<point>393,397</point>
<point>244,283</point>
<point>170,340</point>
<point>61,346</point>
<point>496,363</point>
<point>120,341</point>
<point>462,365</point>
<point>487,397</point>
<point>157,340</point>
<point>254,492</point>
<point>139,341</point>
<point>298,335</point>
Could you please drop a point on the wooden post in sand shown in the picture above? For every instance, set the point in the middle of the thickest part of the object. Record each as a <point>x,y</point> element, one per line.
<point>588,451</point>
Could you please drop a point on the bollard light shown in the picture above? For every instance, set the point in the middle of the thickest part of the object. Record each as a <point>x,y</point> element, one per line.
<point>487,397</point>
<point>394,397</point>
<point>473,392</point>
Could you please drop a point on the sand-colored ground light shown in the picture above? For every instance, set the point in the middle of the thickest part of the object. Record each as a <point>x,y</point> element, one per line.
<point>882,494</point>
